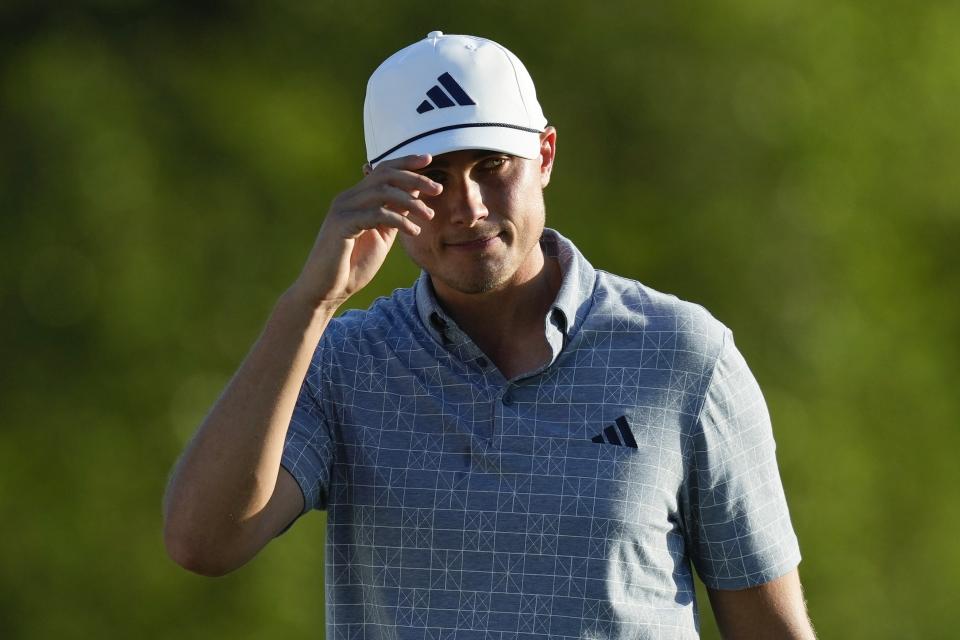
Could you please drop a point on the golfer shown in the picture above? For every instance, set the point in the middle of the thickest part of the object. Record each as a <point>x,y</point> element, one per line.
<point>518,445</point>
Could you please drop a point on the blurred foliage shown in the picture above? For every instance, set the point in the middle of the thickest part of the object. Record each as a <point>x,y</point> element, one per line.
<point>165,167</point>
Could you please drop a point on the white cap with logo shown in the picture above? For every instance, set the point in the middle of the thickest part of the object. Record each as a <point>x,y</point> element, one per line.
<point>451,92</point>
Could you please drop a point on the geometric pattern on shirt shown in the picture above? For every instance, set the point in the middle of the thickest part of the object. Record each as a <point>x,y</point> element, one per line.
<point>464,505</point>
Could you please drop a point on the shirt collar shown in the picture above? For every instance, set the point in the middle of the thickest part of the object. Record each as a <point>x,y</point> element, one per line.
<point>567,311</point>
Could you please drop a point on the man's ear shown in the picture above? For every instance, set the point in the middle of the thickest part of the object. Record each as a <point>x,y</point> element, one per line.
<point>548,151</point>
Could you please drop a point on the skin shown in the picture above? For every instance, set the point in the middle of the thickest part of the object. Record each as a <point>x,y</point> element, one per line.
<point>228,496</point>
<point>498,295</point>
<point>769,611</point>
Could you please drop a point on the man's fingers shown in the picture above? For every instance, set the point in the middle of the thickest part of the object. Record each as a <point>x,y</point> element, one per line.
<point>359,221</point>
<point>386,195</point>
<point>401,172</point>
<point>400,221</point>
<point>406,162</point>
<point>399,200</point>
<point>416,184</point>
<point>410,182</point>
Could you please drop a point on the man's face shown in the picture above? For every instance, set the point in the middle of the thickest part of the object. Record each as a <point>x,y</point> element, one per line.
<point>487,195</point>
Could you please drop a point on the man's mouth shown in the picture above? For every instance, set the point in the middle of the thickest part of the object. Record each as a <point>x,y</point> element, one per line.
<point>475,243</point>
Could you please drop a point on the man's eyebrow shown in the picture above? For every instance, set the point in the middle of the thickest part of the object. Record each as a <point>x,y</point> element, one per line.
<point>482,153</point>
<point>439,163</point>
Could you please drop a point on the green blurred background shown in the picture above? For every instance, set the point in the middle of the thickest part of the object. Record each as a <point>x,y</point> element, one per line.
<point>165,167</point>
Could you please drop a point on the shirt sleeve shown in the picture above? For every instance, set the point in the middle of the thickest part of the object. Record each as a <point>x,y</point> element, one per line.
<point>309,446</point>
<point>739,529</point>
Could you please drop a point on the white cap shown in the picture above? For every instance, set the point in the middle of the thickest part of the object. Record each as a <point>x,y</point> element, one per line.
<point>447,93</point>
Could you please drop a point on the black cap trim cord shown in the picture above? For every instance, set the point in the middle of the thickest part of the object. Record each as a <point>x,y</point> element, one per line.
<point>449,128</point>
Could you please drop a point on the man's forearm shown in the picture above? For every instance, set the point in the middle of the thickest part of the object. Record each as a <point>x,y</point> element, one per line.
<point>228,471</point>
<point>772,610</point>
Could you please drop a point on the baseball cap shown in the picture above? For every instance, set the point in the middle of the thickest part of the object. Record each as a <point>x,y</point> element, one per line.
<point>447,93</point>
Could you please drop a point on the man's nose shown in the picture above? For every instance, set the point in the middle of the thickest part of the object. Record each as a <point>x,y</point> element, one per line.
<point>467,206</point>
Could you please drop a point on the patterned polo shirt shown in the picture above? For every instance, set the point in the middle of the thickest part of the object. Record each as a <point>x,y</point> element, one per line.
<point>572,501</point>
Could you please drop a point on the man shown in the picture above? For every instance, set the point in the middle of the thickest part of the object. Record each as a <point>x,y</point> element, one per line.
<point>518,445</point>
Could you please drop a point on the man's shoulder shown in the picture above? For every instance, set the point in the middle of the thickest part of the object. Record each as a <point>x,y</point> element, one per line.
<point>387,316</point>
<point>645,309</point>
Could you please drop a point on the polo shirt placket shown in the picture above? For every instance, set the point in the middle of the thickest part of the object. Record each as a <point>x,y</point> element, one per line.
<point>507,396</point>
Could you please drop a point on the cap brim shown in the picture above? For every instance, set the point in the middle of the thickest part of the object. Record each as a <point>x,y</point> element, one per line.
<point>521,142</point>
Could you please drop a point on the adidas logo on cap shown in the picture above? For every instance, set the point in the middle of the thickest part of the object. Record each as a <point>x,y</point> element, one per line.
<point>441,99</point>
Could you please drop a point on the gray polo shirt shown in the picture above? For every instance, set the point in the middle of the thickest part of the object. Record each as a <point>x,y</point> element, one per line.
<point>567,502</point>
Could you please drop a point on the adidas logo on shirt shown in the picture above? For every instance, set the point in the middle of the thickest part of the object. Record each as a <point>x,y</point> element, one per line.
<point>623,438</point>
<point>440,98</point>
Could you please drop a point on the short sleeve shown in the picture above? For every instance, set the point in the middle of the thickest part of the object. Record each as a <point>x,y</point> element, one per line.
<point>308,448</point>
<point>738,525</point>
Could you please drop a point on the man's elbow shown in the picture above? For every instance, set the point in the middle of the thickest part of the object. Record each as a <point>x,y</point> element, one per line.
<point>196,555</point>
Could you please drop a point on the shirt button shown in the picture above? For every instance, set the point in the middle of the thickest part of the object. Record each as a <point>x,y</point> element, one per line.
<point>507,398</point>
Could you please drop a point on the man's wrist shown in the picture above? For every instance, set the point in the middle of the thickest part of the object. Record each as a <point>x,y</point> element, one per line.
<point>296,297</point>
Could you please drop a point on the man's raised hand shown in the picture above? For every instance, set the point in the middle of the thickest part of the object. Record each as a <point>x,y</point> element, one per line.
<point>360,228</point>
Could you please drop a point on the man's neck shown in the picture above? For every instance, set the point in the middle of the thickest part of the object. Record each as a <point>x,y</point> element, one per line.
<point>497,319</point>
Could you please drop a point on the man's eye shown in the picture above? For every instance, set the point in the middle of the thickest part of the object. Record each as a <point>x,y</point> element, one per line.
<point>492,164</point>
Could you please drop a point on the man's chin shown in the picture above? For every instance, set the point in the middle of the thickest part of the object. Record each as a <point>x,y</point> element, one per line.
<point>477,285</point>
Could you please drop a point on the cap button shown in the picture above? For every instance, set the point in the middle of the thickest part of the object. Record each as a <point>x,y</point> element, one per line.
<point>435,34</point>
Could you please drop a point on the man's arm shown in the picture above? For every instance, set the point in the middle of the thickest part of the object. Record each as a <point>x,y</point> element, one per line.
<point>228,496</point>
<point>775,610</point>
